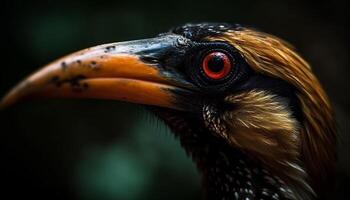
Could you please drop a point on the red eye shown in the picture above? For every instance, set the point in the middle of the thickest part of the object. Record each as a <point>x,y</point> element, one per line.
<point>216,65</point>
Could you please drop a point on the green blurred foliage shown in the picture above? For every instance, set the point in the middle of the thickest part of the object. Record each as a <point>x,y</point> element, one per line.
<point>129,168</point>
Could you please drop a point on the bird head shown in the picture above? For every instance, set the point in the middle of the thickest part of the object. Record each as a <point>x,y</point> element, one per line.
<point>225,90</point>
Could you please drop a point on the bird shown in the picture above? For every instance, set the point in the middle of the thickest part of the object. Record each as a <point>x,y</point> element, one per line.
<point>245,106</point>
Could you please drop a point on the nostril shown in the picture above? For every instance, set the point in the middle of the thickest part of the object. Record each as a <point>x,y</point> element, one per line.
<point>150,59</point>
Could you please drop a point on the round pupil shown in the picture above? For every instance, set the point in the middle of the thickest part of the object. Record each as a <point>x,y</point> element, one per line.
<point>216,63</point>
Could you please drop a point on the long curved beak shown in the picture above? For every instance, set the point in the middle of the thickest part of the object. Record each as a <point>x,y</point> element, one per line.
<point>128,71</point>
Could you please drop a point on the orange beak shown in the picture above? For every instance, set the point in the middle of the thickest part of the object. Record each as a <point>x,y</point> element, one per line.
<point>128,71</point>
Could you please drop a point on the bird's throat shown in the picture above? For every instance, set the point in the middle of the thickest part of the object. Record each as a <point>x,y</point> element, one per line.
<point>226,172</point>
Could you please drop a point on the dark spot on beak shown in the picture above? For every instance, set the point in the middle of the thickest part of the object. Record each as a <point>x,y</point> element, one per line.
<point>56,81</point>
<point>109,49</point>
<point>85,85</point>
<point>76,84</point>
<point>79,62</point>
<point>64,66</point>
<point>94,65</point>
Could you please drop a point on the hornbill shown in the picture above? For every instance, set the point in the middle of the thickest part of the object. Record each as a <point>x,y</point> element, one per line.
<point>245,106</point>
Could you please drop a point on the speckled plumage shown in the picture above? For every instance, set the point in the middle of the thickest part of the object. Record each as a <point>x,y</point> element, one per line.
<point>227,172</point>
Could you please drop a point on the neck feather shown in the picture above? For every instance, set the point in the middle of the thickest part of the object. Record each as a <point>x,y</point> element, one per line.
<point>227,173</point>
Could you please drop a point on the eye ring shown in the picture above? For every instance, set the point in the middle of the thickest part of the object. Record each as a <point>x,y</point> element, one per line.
<point>239,69</point>
<point>216,65</point>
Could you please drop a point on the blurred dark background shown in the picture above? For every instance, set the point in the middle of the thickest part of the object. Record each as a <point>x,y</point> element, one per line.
<point>94,149</point>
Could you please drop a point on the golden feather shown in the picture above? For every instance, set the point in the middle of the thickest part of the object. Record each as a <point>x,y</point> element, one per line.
<point>271,56</point>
